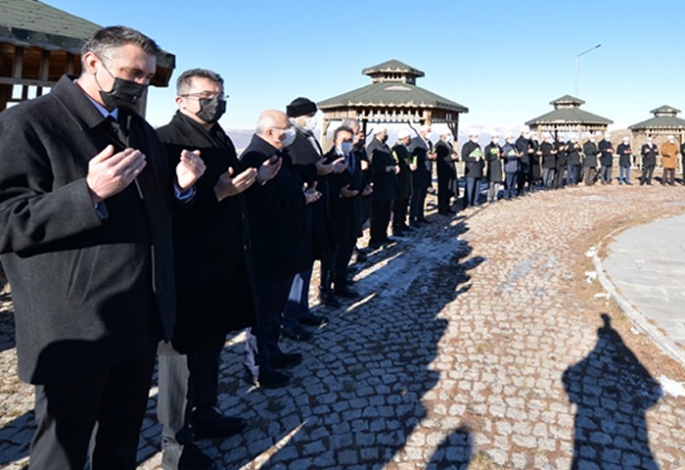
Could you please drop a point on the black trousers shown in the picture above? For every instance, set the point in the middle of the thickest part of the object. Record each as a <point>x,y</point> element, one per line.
<point>647,173</point>
<point>109,403</point>
<point>417,203</point>
<point>445,193</point>
<point>342,257</point>
<point>380,218</point>
<point>188,387</point>
<point>400,207</point>
<point>262,340</point>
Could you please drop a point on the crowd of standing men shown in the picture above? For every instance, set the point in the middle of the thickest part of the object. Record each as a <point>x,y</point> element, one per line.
<point>122,243</point>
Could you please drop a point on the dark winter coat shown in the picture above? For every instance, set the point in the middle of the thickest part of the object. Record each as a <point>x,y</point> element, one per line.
<point>549,159</point>
<point>347,214</point>
<point>562,153</point>
<point>382,176</point>
<point>472,155</point>
<point>649,154</point>
<point>524,146</point>
<point>88,292</point>
<point>421,178</point>
<point>624,154</point>
<point>304,151</point>
<point>574,150</point>
<point>590,151</point>
<point>493,156</point>
<point>214,289</point>
<point>280,231</point>
<point>403,158</point>
<point>606,150</point>
<point>445,164</point>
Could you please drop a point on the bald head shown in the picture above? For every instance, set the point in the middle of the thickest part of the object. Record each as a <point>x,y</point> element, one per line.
<point>271,126</point>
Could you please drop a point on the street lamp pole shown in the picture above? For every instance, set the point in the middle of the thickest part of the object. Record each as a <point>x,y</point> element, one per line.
<point>577,61</point>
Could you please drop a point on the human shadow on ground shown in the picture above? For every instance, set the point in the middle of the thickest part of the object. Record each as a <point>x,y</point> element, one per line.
<point>455,452</point>
<point>612,391</point>
<point>358,395</point>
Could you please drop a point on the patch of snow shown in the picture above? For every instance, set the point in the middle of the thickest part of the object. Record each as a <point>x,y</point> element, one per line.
<point>671,387</point>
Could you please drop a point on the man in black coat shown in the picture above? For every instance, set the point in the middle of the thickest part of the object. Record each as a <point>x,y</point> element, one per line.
<point>590,152</point>
<point>649,153</point>
<point>421,149</point>
<point>472,155</point>
<point>305,150</point>
<point>549,161</point>
<point>383,172</point>
<point>625,155</point>
<point>447,173</point>
<point>606,158</point>
<point>85,233</point>
<point>525,173</point>
<point>214,288</point>
<point>347,190</point>
<point>561,161</point>
<point>493,171</point>
<point>400,206</point>
<point>573,163</point>
<point>281,244</point>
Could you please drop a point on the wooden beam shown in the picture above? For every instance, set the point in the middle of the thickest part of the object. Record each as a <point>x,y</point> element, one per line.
<point>18,65</point>
<point>5,96</point>
<point>69,70</point>
<point>44,70</point>
<point>12,81</point>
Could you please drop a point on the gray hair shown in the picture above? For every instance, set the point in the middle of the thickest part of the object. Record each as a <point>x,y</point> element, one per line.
<point>264,123</point>
<point>350,123</point>
<point>183,82</point>
<point>105,40</point>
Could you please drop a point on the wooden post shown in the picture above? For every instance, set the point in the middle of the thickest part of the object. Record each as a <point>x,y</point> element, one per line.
<point>5,95</point>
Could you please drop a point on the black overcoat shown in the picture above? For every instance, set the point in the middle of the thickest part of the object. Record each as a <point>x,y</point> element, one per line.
<point>279,229</point>
<point>472,155</point>
<point>606,158</point>
<point>303,153</point>
<point>624,154</point>
<point>403,159</point>
<point>493,155</point>
<point>649,154</point>
<point>590,151</point>
<point>213,283</point>
<point>421,177</point>
<point>347,214</point>
<point>573,153</point>
<point>445,164</point>
<point>88,292</point>
<point>382,176</point>
<point>549,159</point>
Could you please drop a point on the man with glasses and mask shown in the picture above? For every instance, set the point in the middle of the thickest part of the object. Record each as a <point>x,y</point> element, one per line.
<point>86,194</point>
<point>281,244</point>
<point>214,289</point>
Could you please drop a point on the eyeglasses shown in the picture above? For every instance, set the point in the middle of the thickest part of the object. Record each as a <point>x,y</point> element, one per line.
<point>206,94</point>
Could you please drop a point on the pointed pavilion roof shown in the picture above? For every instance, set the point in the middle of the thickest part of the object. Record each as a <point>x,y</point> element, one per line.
<point>32,23</point>
<point>665,117</point>
<point>393,85</point>
<point>567,111</point>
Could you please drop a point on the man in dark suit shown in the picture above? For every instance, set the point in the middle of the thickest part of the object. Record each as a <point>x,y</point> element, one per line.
<point>525,174</point>
<point>649,153</point>
<point>85,233</point>
<point>472,155</point>
<point>383,172</point>
<point>281,244</point>
<point>625,155</point>
<point>404,159</point>
<point>347,190</point>
<point>606,158</point>
<point>447,173</point>
<point>549,161</point>
<point>421,150</point>
<point>590,152</point>
<point>214,287</point>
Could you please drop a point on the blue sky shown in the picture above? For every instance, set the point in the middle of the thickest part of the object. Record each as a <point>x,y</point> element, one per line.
<point>505,61</point>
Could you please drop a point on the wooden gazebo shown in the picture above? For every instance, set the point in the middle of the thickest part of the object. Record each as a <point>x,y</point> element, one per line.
<point>568,117</point>
<point>40,43</point>
<point>392,97</point>
<point>664,123</point>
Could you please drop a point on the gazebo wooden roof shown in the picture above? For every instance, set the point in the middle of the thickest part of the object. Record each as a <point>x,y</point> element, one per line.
<point>40,43</point>
<point>568,117</point>
<point>392,97</point>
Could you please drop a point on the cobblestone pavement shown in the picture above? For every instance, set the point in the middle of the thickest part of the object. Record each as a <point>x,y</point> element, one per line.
<point>480,343</point>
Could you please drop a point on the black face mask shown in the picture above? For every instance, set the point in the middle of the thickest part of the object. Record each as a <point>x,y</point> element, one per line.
<point>211,109</point>
<point>384,139</point>
<point>124,93</point>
